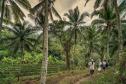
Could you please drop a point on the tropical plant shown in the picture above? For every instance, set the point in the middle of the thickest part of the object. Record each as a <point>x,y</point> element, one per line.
<point>57,29</point>
<point>40,9</point>
<point>21,38</point>
<point>12,9</point>
<point>91,41</point>
<point>75,21</point>
<point>117,8</point>
<point>44,9</point>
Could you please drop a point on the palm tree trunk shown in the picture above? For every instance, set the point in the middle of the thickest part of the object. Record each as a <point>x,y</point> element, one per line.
<point>120,42</point>
<point>67,47</point>
<point>67,60</point>
<point>45,47</point>
<point>108,45</point>
<point>108,39</point>
<point>2,13</point>
<point>120,38</point>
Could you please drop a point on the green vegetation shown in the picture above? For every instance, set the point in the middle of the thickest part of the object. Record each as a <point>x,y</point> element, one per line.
<point>107,77</point>
<point>58,48</point>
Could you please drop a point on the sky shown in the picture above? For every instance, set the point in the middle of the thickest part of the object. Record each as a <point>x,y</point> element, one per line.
<point>62,6</point>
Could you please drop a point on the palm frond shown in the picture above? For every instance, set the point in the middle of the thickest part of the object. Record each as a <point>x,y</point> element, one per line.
<point>97,4</point>
<point>85,14</point>
<point>86,2</point>
<point>98,21</point>
<point>56,13</point>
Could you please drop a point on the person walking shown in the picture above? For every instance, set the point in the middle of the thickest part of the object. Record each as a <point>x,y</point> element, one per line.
<point>100,66</point>
<point>91,67</point>
<point>104,65</point>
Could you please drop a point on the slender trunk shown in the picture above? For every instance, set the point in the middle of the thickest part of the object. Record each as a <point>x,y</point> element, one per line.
<point>120,44</point>
<point>108,39</point>
<point>67,47</point>
<point>90,50</point>
<point>120,38</point>
<point>45,47</point>
<point>67,60</point>
<point>2,13</point>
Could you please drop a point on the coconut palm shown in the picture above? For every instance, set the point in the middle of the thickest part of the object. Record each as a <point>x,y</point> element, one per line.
<point>21,38</point>
<point>67,35</point>
<point>57,29</point>
<point>40,8</point>
<point>118,8</point>
<point>75,20</point>
<point>107,18</point>
<point>92,37</point>
<point>44,9</point>
<point>12,9</point>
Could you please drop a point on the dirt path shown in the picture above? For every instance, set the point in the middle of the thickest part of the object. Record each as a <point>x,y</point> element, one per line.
<point>86,78</point>
<point>82,79</point>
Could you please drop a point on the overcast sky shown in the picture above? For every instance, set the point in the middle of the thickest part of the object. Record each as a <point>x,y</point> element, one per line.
<point>63,6</point>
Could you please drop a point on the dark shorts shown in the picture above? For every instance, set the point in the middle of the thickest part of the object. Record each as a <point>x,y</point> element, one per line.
<point>104,67</point>
<point>91,72</point>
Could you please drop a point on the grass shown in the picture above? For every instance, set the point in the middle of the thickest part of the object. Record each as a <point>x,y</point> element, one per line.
<point>64,77</point>
<point>106,77</point>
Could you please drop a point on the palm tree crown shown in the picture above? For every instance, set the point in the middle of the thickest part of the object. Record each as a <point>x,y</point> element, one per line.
<point>22,38</point>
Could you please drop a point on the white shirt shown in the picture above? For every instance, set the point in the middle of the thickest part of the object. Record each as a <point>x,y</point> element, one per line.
<point>104,63</point>
<point>91,65</point>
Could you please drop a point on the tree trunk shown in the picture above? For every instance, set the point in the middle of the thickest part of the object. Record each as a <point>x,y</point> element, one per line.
<point>120,38</point>
<point>2,13</point>
<point>45,47</point>
<point>108,39</point>
<point>67,60</point>
<point>120,43</point>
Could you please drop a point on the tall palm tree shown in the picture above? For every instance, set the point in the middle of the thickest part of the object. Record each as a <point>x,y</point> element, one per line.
<point>120,38</point>
<point>75,21</point>
<point>106,18</point>
<point>42,11</point>
<point>66,36</point>
<point>118,8</point>
<point>12,9</point>
<point>91,36</point>
<point>57,28</point>
<point>44,8</point>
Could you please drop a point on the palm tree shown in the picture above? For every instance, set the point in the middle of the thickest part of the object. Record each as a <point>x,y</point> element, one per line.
<point>75,20</point>
<point>91,36</point>
<point>120,38</point>
<point>107,18</point>
<point>118,9</point>
<point>66,36</point>
<point>40,9</point>
<point>44,8</point>
<point>57,28</point>
<point>11,9</point>
<point>21,38</point>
